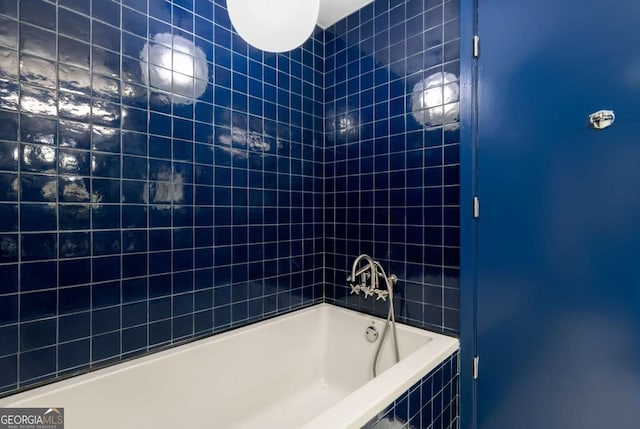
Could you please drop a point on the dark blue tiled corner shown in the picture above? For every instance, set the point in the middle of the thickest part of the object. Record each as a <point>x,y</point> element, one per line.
<point>391,156</point>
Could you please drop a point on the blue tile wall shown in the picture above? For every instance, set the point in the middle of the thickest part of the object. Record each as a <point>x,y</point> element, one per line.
<point>145,200</point>
<point>431,403</point>
<point>391,156</point>
<point>141,206</point>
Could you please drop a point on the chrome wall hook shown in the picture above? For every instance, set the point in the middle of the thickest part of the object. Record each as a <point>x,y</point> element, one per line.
<point>601,119</point>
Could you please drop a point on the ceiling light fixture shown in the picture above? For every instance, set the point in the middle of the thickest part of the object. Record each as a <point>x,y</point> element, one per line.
<point>274,25</point>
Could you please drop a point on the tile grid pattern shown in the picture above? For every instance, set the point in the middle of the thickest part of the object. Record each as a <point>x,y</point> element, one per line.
<point>431,403</point>
<point>127,220</point>
<point>99,172</point>
<point>392,172</point>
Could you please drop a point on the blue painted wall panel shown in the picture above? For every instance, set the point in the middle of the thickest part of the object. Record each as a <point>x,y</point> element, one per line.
<point>558,282</point>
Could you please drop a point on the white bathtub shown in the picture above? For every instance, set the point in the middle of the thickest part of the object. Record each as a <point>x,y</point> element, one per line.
<point>308,369</point>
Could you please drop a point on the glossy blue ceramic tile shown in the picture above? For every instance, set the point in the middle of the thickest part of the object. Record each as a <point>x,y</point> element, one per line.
<point>8,372</point>
<point>372,116</point>
<point>37,364</point>
<point>74,326</point>
<point>106,242</point>
<point>105,320</point>
<point>106,36</point>
<point>38,12</point>
<point>38,129</point>
<point>82,6</point>
<point>134,339</point>
<point>74,354</point>
<point>34,335</point>
<point>8,248</point>
<point>113,191</point>
<point>38,275</point>
<point>105,346</point>
<point>9,274</point>
<point>9,307</point>
<point>106,268</point>
<point>8,32</point>
<point>37,247</point>
<point>8,125</point>
<point>104,216</point>
<point>9,185</point>
<point>38,217</point>
<point>74,25</point>
<point>74,216</point>
<point>38,305</point>
<point>37,41</point>
<point>74,52</point>
<point>74,299</point>
<point>8,340</point>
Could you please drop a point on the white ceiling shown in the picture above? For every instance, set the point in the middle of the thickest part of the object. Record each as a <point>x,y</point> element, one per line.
<point>332,11</point>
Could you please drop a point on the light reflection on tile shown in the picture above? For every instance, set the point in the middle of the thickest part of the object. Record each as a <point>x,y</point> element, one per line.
<point>105,139</point>
<point>39,188</point>
<point>105,113</point>
<point>8,248</point>
<point>105,165</point>
<point>105,87</point>
<point>8,64</point>
<point>39,101</point>
<point>160,193</point>
<point>38,71</point>
<point>105,62</point>
<point>74,134</point>
<point>73,189</point>
<point>73,162</point>
<point>134,95</point>
<point>38,129</point>
<point>8,32</point>
<point>9,187</point>
<point>75,245</point>
<point>9,95</point>
<point>120,162</point>
<point>74,106</point>
<point>132,70</point>
<point>74,79</point>
<point>38,158</point>
<point>9,156</point>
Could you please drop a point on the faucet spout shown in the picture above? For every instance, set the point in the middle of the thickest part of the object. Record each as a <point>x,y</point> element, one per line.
<point>368,271</point>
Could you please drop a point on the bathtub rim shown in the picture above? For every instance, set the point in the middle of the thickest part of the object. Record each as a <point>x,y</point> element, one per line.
<point>361,405</point>
<point>110,365</point>
<point>353,411</point>
<point>163,352</point>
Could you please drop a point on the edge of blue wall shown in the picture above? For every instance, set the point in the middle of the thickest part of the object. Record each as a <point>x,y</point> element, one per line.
<point>468,28</point>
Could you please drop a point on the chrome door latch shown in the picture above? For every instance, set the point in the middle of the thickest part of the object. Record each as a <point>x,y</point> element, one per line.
<point>601,119</point>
